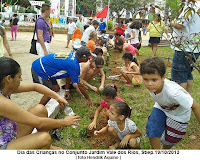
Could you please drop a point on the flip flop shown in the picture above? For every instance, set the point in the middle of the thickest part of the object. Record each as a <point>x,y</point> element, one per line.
<point>129,85</point>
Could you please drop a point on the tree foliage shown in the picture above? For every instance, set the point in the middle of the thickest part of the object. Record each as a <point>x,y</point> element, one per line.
<point>23,3</point>
<point>86,7</point>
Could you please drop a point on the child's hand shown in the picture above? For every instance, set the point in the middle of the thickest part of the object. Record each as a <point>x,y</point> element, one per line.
<point>92,125</point>
<point>101,88</point>
<point>96,133</point>
<point>124,142</point>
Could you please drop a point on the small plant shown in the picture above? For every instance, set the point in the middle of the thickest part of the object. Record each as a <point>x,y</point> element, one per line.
<point>110,25</point>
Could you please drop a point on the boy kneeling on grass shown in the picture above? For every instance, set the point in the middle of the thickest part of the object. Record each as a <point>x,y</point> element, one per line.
<point>171,113</point>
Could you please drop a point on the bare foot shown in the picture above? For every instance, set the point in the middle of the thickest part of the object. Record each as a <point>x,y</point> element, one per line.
<point>114,146</point>
<point>66,47</point>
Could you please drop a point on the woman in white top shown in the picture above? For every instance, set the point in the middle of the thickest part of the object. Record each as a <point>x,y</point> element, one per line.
<point>4,43</point>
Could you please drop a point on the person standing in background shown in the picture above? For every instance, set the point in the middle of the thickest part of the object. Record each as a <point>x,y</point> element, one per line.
<point>71,28</point>
<point>14,25</point>
<point>2,23</point>
<point>42,32</point>
<point>102,25</point>
<point>43,37</point>
<point>155,30</point>
<point>128,29</point>
<point>80,24</point>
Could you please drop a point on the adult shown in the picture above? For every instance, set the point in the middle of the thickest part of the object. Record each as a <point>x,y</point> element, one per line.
<point>90,21</point>
<point>42,31</point>
<point>87,32</point>
<point>120,28</point>
<point>71,28</point>
<point>14,26</point>
<point>4,43</point>
<point>58,66</point>
<point>155,30</point>
<point>184,32</point>
<point>102,25</point>
<point>80,24</point>
<point>17,124</point>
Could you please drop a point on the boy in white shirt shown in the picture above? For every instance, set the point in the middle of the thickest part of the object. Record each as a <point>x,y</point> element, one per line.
<point>171,113</point>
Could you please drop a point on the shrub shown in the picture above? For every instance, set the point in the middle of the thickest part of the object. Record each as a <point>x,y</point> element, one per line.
<point>110,25</point>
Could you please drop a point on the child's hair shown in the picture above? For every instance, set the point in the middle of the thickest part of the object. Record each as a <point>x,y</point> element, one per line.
<point>120,42</point>
<point>8,66</point>
<point>98,61</point>
<point>3,21</point>
<point>103,31</point>
<point>130,19</point>
<point>97,51</point>
<point>117,34</point>
<point>135,25</point>
<point>86,26</point>
<point>130,57</point>
<point>110,91</point>
<point>110,36</point>
<point>92,35</point>
<point>153,66</point>
<point>95,22</point>
<point>122,108</point>
<point>103,42</point>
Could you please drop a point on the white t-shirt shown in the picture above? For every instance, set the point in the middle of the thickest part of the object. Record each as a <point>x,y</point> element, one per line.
<point>71,27</point>
<point>86,33</point>
<point>176,102</point>
<point>191,27</point>
<point>135,40</point>
<point>129,128</point>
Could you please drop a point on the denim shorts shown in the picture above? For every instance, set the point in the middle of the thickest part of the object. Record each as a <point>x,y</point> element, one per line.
<point>181,70</point>
<point>156,124</point>
<point>154,40</point>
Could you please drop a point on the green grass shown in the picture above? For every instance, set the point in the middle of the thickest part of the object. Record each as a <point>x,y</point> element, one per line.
<point>138,98</point>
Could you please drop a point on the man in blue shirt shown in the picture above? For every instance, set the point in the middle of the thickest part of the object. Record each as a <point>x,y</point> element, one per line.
<point>102,25</point>
<point>57,66</point>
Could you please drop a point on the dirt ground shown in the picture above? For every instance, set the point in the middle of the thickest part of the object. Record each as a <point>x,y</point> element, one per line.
<point>20,50</point>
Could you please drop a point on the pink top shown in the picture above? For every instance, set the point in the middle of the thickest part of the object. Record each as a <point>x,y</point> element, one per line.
<point>131,49</point>
<point>104,105</point>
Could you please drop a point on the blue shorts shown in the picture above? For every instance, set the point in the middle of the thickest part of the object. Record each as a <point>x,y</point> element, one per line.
<point>156,123</point>
<point>181,70</point>
<point>161,126</point>
<point>154,40</point>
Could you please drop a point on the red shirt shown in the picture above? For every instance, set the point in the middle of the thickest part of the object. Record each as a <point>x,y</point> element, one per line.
<point>119,30</point>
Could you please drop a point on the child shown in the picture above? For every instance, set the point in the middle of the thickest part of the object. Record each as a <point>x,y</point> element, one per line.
<point>109,96</point>
<point>172,109</point>
<point>134,38</point>
<point>125,47</point>
<point>123,130</point>
<point>92,40</point>
<point>110,41</point>
<point>90,69</point>
<point>131,70</point>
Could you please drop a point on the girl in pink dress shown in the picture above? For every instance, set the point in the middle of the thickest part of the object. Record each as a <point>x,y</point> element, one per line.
<point>125,47</point>
<point>109,96</point>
